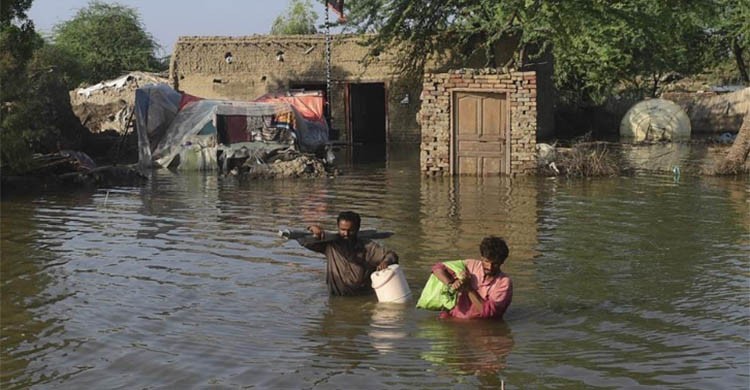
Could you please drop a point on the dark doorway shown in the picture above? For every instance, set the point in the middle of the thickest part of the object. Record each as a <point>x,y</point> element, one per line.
<point>367,122</point>
<point>367,114</point>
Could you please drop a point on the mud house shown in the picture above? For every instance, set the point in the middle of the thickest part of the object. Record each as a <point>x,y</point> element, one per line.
<point>371,102</point>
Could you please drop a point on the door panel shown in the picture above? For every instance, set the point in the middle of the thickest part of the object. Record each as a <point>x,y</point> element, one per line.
<point>480,134</point>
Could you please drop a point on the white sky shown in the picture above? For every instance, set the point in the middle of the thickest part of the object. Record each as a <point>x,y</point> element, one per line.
<point>166,20</point>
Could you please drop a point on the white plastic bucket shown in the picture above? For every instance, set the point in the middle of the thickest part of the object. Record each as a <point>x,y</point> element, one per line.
<point>390,285</point>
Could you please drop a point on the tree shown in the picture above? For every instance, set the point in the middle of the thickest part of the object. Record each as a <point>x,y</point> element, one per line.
<point>18,40</point>
<point>731,32</point>
<point>601,47</point>
<point>109,40</point>
<point>36,77</point>
<point>298,19</point>
<point>41,120</point>
<point>735,161</point>
<point>14,9</point>
<point>597,46</point>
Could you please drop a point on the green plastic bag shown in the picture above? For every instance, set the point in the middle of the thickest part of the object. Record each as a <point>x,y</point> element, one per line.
<point>436,295</point>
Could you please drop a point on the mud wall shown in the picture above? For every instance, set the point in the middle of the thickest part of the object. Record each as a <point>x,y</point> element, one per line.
<point>109,104</point>
<point>244,68</point>
<point>712,113</point>
<point>262,63</point>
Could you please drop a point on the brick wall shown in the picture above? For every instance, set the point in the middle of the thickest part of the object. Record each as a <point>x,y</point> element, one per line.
<point>435,116</point>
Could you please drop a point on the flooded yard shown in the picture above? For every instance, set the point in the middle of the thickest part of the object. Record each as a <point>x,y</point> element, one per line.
<point>625,282</point>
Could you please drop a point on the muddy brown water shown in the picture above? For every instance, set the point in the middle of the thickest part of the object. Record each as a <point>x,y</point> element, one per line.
<point>632,282</point>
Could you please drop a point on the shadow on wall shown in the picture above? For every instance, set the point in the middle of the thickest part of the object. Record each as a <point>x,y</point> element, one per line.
<point>404,103</point>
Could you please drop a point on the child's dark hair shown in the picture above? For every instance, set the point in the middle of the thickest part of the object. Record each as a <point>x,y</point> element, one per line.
<point>494,249</point>
<point>350,216</point>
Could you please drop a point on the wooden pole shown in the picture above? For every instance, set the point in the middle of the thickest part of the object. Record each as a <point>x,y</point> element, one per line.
<point>328,70</point>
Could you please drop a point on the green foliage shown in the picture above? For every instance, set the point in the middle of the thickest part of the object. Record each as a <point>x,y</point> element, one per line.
<point>598,46</point>
<point>41,120</point>
<point>36,78</point>
<point>108,40</point>
<point>298,19</point>
<point>730,34</point>
<point>17,44</point>
<point>18,40</point>
<point>63,65</point>
<point>626,43</point>
<point>13,9</point>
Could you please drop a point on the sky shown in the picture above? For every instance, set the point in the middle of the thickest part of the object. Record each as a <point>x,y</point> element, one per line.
<point>166,20</point>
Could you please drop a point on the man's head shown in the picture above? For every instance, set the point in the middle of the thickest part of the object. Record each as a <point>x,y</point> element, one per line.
<point>494,251</point>
<point>348,224</point>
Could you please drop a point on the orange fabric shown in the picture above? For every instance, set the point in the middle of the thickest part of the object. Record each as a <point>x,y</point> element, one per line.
<point>309,107</point>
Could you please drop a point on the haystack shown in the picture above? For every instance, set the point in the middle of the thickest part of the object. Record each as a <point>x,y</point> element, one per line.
<point>655,120</point>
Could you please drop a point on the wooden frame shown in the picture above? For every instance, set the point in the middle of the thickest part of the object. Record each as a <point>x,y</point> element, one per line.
<point>453,113</point>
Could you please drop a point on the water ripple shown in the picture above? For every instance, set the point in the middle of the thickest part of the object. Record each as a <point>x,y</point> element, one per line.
<point>619,283</point>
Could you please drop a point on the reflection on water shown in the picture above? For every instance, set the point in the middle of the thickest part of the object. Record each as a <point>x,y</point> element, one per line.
<point>619,283</point>
<point>664,157</point>
<point>388,326</point>
<point>480,347</point>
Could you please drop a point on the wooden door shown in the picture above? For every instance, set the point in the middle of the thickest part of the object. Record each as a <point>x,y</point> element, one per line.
<point>480,134</point>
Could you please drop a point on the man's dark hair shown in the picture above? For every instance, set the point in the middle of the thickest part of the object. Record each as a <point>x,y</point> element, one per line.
<point>494,249</point>
<point>350,216</point>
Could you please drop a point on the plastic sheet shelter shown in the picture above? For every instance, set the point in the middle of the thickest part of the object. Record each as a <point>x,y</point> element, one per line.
<point>156,106</point>
<point>309,105</point>
<point>186,132</point>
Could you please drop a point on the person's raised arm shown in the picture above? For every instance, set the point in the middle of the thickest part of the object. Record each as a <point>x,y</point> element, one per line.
<point>319,234</point>
<point>317,231</point>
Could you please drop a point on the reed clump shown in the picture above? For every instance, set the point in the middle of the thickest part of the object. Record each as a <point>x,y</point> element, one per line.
<point>586,159</point>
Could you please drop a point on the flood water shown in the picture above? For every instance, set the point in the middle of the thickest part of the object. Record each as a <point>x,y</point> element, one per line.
<point>631,282</point>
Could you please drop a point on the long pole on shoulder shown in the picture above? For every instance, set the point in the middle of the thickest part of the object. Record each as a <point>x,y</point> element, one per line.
<point>328,69</point>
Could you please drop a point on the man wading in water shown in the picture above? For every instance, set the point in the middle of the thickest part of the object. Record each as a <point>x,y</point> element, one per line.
<point>350,260</point>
